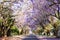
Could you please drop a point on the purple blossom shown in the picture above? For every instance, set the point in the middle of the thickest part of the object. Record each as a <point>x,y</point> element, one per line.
<point>40,11</point>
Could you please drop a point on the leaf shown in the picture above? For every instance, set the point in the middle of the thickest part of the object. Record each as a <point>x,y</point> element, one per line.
<point>1,20</point>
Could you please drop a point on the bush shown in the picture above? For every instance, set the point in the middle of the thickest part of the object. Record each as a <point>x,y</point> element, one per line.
<point>14,31</point>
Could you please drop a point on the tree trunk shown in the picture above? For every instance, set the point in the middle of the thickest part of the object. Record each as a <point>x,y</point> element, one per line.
<point>5,37</point>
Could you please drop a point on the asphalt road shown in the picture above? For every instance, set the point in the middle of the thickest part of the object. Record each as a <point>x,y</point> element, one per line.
<point>34,37</point>
<point>31,37</point>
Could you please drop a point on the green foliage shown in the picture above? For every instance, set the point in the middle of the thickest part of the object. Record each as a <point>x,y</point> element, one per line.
<point>1,20</point>
<point>14,31</point>
<point>48,29</point>
<point>6,20</point>
<point>38,30</point>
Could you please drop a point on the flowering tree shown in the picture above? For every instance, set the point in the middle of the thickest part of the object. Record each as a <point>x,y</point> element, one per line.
<point>55,4</point>
<point>6,20</point>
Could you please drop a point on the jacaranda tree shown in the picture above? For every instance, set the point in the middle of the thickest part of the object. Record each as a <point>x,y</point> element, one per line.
<point>6,20</point>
